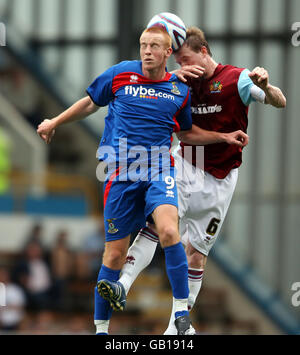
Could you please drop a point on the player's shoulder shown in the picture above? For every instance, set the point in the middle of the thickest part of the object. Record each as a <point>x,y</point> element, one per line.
<point>231,73</point>
<point>128,66</point>
<point>181,85</point>
<point>231,69</point>
<point>123,67</point>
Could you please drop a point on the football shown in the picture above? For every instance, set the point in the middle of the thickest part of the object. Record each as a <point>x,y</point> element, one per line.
<point>173,25</point>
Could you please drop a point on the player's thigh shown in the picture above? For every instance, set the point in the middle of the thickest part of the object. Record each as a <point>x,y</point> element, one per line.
<point>207,212</point>
<point>166,221</point>
<point>161,203</point>
<point>189,180</point>
<point>162,191</point>
<point>165,215</point>
<point>124,210</point>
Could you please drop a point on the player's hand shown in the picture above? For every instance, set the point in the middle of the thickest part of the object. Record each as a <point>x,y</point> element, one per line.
<point>189,71</point>
<point>260,77</point>
<point>239,138</point>
<point>46,130</point>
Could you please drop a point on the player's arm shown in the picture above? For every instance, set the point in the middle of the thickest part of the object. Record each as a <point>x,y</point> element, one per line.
<point>80,110</point>
<point>274,95</point>
<point>199,136</point>
<point>99,95</point>
<point>191,134</point>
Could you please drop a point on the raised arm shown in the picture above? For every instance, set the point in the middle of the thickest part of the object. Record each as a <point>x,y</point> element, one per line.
<point>80,110</point>
<point>274,95</point>
<point>199,136</point>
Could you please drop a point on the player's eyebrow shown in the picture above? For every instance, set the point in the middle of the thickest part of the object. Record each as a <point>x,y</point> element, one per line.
<point>154,40</point>
<point>152,43</point>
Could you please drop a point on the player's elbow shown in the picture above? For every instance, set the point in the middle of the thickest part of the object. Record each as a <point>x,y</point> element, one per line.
<point>91,106</point>
<point>184,136</point>
<point>279,102</point>
<point>283,102</point>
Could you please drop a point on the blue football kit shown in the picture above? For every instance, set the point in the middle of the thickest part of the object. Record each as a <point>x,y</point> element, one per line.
<point>142,115</point>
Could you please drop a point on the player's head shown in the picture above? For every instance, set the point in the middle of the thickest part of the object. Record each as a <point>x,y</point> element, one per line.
<point>195,49</point>
<point>155,47</point>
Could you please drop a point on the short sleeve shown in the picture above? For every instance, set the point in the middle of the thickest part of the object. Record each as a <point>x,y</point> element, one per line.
<point>100,91</point>
<point>248,91</point>
<point>184,118</point>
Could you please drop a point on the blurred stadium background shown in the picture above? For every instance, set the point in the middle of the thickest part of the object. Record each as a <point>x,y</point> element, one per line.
<point>51,201</point>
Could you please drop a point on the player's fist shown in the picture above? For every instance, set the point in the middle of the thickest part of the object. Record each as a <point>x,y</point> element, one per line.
<point>189,71</point>
<point>46,130</point>
<point>260,77</point>
<point>239,138</point>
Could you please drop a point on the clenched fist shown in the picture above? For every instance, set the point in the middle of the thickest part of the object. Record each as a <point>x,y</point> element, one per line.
<point>46,130</point>
<point>260,77</point>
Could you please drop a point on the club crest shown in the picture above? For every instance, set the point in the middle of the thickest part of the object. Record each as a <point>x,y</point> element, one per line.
<point>175,89</point>
<point>216,87</point>
<point>111,226</point>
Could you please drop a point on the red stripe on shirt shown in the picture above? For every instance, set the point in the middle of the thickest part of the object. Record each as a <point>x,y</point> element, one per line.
<point>176,123</point>
<point>128,78</point>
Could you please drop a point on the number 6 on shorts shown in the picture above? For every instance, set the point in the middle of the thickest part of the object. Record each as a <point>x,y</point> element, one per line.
<point>213,226</point>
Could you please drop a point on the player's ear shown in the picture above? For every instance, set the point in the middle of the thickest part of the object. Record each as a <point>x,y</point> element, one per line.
<point>169,52</point>
<point>204,50</point>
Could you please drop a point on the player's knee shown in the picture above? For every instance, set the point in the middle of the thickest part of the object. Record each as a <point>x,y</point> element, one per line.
<point>168,236</point>
<point>114,258</point>
<point>196,259</point>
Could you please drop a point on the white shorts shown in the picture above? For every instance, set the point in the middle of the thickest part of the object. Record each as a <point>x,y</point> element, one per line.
<point>202,205</point>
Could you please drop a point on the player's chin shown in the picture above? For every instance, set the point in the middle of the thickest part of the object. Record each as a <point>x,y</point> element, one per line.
<point>149,64</point>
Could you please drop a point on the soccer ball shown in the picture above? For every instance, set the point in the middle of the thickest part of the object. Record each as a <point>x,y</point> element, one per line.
<point>173,25</point>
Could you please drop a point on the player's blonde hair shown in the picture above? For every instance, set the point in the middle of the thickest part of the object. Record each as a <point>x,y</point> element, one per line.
<point>162,30</point>
<point>195,40</point>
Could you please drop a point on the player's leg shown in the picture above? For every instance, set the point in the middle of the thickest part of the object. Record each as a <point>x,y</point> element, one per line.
<point>166,221</point>
<point>162,203</point>
<point>143,248</point>
<point>190,182</point>
<point>204,229</point>
<point>200,228</point>
<point>195,273</point>
<point>115,253</point>
<point>113,260</point>
<point>139,255</point>
<point>121,216</point>
<point>197,262</point>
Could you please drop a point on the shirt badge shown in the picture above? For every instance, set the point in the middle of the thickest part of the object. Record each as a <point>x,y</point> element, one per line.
<point>175,89</point>
<point>216,87</point>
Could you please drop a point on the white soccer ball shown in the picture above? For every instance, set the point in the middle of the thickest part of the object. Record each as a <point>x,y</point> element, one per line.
<point>174,26</point>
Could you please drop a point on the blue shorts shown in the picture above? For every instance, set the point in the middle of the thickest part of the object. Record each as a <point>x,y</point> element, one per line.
<point>128,204</point>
